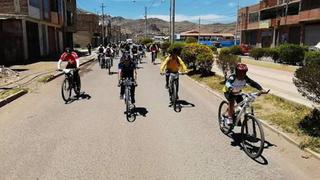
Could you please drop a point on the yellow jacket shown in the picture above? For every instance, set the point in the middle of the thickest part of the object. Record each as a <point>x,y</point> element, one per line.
<point>173,65</point>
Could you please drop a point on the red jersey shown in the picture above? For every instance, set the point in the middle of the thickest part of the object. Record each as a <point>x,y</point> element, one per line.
<point>71,58</point>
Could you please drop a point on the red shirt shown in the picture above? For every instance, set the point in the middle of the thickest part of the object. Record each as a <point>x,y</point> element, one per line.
<point>71,58</point>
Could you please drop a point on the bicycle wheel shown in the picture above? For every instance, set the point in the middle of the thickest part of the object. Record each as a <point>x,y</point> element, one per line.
<point>66,90</point>
<point>222,114</point>
<point>252,136</point>
<point>109,66</point>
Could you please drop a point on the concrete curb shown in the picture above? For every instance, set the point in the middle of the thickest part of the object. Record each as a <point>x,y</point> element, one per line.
<point>60,73</point>
<point>263,122</point>
<point>12,97</point>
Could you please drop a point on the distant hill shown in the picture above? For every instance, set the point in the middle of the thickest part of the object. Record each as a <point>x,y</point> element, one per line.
<point>160,27</point>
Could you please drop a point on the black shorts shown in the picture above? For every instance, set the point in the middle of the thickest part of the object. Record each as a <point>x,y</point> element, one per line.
<point>233,98</point>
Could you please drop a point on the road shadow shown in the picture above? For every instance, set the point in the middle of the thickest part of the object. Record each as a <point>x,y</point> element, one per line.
<point>237,139</point>
<point>182,104</point>
<point>141,111</point>
<point>82,96</point>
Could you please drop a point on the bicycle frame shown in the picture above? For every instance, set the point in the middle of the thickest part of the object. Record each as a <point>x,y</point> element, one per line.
<point>246,103</point>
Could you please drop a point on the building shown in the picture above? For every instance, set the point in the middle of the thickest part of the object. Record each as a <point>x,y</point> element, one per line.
<point>88,30</point>
<point>273,22</point>
<point>31,29</point>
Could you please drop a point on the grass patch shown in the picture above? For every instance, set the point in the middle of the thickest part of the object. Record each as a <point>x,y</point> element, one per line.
<point>6,93</point>
<point>290,117</point>
<point>270,65</point>
<point>45,79</point>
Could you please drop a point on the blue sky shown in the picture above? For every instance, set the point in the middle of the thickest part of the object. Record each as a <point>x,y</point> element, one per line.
<point>210,11</point>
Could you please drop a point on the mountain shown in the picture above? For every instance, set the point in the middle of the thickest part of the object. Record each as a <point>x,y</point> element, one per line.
<point>160,27</point>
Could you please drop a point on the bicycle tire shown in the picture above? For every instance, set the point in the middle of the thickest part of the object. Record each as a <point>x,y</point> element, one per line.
<point>65,88</point>
<point>225,129</point>
<point>256,124</point>
<point>176,107</point>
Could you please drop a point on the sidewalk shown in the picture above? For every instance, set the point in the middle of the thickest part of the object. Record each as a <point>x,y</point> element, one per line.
<point>31,72</point>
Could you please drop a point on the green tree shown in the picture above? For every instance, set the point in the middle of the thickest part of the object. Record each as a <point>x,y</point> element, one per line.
<point>291,53</point>
<point>307,80</point>
<point>191,40</point>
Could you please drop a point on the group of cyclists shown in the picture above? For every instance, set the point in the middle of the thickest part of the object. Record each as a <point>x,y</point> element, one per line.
<point>127,68</point>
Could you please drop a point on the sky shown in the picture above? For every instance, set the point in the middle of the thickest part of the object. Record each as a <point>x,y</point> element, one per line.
<point>209,11</point>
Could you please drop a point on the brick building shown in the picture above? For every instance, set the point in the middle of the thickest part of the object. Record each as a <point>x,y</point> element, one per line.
<point>273,22</point>
<point>30,29</point>
<point>88,30</point>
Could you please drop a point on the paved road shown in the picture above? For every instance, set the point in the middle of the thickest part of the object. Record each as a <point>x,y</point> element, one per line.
<point>280,83</point>
<point>43,138</point>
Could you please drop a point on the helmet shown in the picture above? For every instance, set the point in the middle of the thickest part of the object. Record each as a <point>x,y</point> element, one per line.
<point>241,69</point>
<point>68,50</point>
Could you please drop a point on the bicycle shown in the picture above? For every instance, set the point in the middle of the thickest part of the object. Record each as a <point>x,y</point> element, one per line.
<point>244,109</point>
<point>69,83</point>
<point>153,57</point>
<point>108,64</point>
<point>173,91</point>
<point>130,107</point>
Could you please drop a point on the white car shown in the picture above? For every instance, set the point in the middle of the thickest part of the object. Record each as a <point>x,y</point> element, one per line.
<point>316,47</point>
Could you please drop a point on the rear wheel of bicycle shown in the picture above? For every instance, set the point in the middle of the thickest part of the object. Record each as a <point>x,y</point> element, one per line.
<point>222,115</point>
<point>252,136</point>
<point>66,90</point>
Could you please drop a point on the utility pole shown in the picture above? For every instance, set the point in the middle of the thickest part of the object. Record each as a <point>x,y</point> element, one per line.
<point>173,9</point>
<point>146,21</point>
<point>236,31</point>
<point>199,29</point>
<point>170,18</point>
<point>102,31</point>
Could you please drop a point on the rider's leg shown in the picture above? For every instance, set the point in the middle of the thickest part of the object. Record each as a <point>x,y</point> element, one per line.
<point>167,80</point>
<point>122,88</point>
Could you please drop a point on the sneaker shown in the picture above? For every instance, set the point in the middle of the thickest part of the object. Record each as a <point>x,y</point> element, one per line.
<point>229,121</point>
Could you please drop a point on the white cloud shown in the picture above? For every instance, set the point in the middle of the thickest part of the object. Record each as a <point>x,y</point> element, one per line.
<point>205,19</point>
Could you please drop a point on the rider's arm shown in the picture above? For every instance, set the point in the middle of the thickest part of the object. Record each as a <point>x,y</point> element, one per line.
<point>164,64</point>
<point>183,67</point>
<point>253,84</point>
<point>59,64</point>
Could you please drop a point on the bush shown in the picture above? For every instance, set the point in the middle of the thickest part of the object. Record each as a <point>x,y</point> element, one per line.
<point>257,53</point>
<point>273,53</point>
<point>291,53</point>
<point>311,56</point>
<point>307,80</point>
<point>214,49</point>
<point>178,45</point>
<point>236,50</point>
<point>145,41</point>
<point>227,63</point>
<point>191,40</point>
<point>198,57</point>
<point>225,51</point>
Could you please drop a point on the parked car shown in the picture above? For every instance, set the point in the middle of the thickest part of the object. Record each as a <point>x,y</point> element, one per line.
<point>315,48</point>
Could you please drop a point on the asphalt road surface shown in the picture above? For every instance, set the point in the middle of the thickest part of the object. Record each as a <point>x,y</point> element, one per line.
<point>41,137</point>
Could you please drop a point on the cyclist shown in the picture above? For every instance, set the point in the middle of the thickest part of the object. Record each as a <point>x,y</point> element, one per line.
<point>101,51</point>
<point>109,53</point>
<point>154,50</point>
<point>233,86</point>
<point>73,63</point>
<point>173,64</point>
<point>127,69</point>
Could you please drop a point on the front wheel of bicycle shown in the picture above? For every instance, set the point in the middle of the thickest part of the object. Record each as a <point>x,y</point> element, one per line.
<point>66,90</point>
<point>252,136</point>
<point>222,115</point>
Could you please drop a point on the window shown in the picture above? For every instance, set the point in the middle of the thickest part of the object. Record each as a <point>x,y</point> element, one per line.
<point>54,5</point>
<point>309,4</point>
<point>34,3</point>
<point>46,9</point>
<point>69,18</point>
<point>253,17</point>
